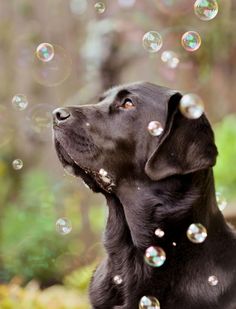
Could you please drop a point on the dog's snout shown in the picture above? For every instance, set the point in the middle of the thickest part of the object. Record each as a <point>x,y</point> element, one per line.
<point>61,115</point>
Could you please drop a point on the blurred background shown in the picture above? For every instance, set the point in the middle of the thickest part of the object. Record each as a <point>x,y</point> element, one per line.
<point>50,224</point>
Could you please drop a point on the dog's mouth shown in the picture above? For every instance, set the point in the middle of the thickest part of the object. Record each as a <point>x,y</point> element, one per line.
<point>97,180</point>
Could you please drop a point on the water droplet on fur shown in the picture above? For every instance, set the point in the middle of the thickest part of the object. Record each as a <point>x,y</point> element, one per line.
<point>191,41</point>
<point>45,52</point>
<point>155,256</point>
<point>19,102</point>
<point>221,201</point>
<point>197,233</point>
<point>100,7</point>
<point>17,164</point>
<point>159,233</point>
<point>155,128</point>
<point>63,226</point>
<point>152,41</point>
<point>117,280</point>
<point>174,244</point>
<point>149,302</point>
<point>206,9</point>
<point>213,280</point>
<point>191,106</point>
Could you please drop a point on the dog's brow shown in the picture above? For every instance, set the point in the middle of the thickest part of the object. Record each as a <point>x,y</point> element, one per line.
<point>122,93</point>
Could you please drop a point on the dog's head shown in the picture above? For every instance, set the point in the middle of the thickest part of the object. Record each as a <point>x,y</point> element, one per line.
<point>109,141</point>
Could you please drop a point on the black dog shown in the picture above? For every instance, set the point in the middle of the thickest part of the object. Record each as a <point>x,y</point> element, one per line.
<point>151,182</point>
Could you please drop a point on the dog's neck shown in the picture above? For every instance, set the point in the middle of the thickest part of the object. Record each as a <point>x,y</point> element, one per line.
<point>171,204</point>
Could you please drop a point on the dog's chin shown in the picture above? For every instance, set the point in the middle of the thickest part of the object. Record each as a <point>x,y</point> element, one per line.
<point>90,177</point>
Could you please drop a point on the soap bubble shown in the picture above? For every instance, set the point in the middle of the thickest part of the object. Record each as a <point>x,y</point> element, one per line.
<point>221,201</point>
<point>55,71</point>
<point>159,233</point>
<point>40,118</point>
<point>191,106</point>
<point>152,41</point>
<point>117,280</point>
<point>63,226</point>
<point>206,9</point>
<point>78,7</point>
<point>155,256</point>
<point>191,41</point>
<point>6,131</point>
<point>213,280</point>
<point>45,52</point>
<point>149,302</point>
<point>170,58</point>
<point>100,7</point>
<point>17,164</point>
<point>155,128</point>
<point>197,233</point>
<point>19,102</point>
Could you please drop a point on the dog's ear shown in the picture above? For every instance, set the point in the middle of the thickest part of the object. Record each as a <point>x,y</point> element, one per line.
<point>186,146</point>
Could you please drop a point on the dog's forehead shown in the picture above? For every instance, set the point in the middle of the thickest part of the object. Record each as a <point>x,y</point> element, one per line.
<point>144,90</point>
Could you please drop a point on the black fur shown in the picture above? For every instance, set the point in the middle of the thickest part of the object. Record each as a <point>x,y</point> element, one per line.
<point>164,182</point>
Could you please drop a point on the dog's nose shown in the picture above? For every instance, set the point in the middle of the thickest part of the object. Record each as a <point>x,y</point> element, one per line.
<point>60,114</point>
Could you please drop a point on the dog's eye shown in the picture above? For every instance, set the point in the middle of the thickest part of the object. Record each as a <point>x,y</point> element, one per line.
<point>127,104</point>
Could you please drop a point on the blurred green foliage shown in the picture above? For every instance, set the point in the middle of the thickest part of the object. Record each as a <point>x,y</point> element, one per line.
<point>225,170</point>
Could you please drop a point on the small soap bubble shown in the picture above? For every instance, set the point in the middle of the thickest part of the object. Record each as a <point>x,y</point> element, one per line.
<point>117,280</point>
<point>191,106</point>
<point>206,9</point>
<point>155,128</point>
<point>45,52</point>
<point>152,41</point>
<point>19,102</point>
<point>63,226</point>
<point>100,7</point>
<point>170,58</point>
<point>40,118</point>
<point>159,233</point>
<point>17,164</point>
<point>197,233</point>
<point>149,302</point>
<point>52,72</point>
<point>191,41</point>
<point>221,201</point>
<point>155,256</point>
<point>213,280</point>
